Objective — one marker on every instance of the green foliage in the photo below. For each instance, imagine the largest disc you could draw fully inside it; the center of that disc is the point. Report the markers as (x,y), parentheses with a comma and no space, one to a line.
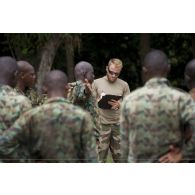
(178,47)
(99,48)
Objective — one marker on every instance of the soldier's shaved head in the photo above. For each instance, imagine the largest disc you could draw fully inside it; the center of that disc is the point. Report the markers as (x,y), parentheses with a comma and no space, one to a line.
(84,70)
(190,74)
(55,83)
(24,66)
(9,68)
(26,75)
(155,64)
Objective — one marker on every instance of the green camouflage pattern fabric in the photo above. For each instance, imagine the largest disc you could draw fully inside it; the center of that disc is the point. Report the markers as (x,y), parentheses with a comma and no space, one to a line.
(189,149)
(12,105)
(77,96)
(34,97)
(152,118)
(109,138)
(54,132)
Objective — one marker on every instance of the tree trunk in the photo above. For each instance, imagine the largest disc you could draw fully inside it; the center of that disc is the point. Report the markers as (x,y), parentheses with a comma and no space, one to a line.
(47,57)
(69,46)
(193,44)
(144,44)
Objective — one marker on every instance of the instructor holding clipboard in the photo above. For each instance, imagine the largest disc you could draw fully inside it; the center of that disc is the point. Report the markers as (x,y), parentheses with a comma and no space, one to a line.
(110,84)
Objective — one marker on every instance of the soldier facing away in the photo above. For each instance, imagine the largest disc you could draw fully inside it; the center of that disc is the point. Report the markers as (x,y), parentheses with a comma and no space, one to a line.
(56,131)
(12,105)
(175,154)
(152,116)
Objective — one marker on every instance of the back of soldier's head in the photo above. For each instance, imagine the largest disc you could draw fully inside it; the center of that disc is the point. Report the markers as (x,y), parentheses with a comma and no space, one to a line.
(9,68)
(155,64)
(55,80)
(84,70)
(190,74)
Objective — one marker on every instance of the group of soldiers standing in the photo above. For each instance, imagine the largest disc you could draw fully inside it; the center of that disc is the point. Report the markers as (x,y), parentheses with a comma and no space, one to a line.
(154,123)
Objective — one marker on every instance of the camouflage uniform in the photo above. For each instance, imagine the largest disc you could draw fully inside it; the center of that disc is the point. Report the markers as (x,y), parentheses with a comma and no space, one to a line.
(109,138)
(190,145)
(151,120)
(54,132)
(77,96)
(12,105)
(36,100)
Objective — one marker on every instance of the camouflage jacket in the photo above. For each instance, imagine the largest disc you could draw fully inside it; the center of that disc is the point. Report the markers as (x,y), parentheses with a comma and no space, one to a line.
(54,132)
(77,96)
(36,100)
(152,118)
(12,105)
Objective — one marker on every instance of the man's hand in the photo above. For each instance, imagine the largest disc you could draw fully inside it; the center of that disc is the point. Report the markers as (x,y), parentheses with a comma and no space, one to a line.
(115,104)
(173,156)
(88,87)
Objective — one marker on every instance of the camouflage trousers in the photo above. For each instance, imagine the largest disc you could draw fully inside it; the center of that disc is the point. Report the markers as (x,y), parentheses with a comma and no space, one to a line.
(109,139)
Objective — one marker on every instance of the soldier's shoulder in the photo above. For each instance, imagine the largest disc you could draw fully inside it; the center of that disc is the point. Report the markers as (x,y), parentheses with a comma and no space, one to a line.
(32,113)
(179,92)
(134,95)
(6,90)
(21,98)
(64,105)
(176,89)
(136,92)
(75,85)
(77,110)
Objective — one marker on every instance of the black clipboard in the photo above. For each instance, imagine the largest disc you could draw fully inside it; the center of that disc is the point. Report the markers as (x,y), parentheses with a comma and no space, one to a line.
(103,103)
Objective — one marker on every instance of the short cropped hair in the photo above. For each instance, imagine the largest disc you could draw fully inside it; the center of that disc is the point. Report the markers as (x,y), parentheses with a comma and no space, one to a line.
(117,62)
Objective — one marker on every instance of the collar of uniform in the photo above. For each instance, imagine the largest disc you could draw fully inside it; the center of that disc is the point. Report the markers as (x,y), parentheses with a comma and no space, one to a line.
(156,82)
(56,99)
(19,91)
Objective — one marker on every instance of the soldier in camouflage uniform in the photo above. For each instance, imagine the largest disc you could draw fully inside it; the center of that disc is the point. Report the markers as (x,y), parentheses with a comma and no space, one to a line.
(26,83)
(152,116)
(12,105)
(175,155)
(110,133)
(81,94)
(56,131)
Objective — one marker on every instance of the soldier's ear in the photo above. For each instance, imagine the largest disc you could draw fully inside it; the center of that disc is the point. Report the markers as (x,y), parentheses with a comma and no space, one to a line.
(20,75)
(67,87)
(144,69)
